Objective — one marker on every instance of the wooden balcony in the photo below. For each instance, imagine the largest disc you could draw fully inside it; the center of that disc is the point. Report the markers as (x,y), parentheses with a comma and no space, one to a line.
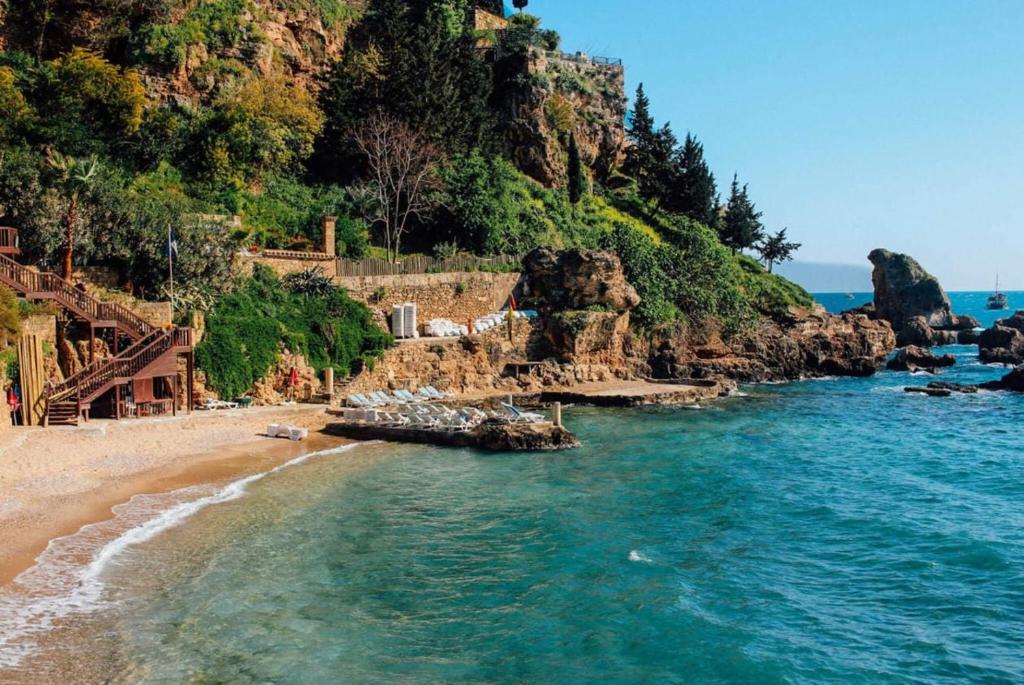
(9,241)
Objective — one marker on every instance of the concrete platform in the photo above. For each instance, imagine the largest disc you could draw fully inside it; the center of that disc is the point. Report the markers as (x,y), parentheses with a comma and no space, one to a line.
(639,393)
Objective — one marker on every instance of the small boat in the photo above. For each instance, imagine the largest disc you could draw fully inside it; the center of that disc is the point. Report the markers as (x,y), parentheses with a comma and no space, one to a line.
(997,300)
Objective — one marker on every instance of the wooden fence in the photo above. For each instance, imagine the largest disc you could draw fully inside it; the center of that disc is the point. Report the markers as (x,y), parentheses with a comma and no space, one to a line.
(422,264)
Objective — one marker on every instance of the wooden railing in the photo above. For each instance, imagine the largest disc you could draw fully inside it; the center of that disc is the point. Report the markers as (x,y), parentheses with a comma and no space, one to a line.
(52,286)
(422,264)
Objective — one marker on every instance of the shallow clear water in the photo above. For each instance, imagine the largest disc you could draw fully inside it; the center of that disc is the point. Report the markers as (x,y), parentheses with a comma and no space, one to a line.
(832,531)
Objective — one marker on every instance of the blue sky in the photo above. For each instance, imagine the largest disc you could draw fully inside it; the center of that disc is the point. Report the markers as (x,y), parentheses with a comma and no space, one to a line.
(857,124)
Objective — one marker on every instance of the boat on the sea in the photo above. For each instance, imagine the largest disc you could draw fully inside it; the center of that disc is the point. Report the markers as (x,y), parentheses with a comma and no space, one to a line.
(997,300)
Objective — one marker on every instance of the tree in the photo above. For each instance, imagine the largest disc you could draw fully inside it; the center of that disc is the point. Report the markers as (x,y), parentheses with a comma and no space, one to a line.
(415,61)
(520,4)
(73,175)
(694,194)
(650,157)
(776,249)
(403,175)
(741,227)
(577,179)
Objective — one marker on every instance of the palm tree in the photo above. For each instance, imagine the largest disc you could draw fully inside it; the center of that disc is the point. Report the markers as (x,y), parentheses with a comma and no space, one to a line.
(73,175)
(520,4)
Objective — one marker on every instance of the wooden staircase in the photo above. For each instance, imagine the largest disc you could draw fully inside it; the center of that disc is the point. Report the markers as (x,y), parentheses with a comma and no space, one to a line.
(68,401)
(152,352)
(42,286)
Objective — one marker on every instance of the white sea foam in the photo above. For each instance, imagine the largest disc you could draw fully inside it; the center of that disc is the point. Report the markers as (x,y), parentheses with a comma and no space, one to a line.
(634,555)
(59,584)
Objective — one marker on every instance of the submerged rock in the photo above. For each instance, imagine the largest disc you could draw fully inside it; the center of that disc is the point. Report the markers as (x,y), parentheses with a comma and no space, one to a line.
(914,358)
(1013,381)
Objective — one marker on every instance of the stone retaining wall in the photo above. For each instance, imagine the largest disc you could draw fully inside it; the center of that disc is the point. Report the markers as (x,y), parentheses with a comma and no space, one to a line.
(460,297)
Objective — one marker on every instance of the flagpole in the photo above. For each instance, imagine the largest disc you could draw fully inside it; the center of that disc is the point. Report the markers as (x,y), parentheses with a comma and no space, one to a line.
(170,268)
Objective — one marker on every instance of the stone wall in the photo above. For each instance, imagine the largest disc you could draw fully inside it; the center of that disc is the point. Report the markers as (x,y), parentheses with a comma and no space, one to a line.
(460,297)
(42,325)
(469,365)
(283,266)
(156,313)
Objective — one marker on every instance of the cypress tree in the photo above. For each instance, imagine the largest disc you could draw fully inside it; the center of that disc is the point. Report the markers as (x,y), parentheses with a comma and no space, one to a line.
(694,193)
(577,180)
(640,133)
(741,227)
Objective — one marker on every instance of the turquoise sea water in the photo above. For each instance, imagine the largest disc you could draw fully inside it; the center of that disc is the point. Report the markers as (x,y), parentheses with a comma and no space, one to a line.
(830,531)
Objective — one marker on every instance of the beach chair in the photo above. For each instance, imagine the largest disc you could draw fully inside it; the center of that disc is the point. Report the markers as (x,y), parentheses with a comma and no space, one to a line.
(357,401)
(405,396)
(434,392)
(365,401)
(382,399)
(519,416)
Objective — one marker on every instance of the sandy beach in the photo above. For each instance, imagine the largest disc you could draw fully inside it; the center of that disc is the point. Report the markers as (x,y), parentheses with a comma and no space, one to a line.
(55,480)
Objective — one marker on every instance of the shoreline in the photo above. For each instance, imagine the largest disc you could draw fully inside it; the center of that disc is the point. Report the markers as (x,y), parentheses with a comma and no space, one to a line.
(48,491)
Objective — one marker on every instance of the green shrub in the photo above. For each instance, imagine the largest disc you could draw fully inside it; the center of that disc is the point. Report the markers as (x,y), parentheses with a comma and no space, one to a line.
(769,293)
(246,328)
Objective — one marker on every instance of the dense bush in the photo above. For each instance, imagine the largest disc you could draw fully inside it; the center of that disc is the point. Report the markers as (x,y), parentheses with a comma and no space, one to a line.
(245,329)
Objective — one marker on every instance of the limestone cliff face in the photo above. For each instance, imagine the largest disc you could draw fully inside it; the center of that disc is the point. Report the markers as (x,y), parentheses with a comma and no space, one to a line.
(293,40)
(545,96)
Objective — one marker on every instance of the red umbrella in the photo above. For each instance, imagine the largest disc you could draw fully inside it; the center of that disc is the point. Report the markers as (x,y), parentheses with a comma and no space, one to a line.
(293,378)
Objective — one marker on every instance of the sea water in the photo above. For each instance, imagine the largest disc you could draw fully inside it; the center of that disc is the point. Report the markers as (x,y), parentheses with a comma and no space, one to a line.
(827,531)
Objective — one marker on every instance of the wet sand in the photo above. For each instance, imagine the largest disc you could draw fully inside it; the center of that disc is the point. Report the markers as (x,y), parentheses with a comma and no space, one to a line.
(53,481)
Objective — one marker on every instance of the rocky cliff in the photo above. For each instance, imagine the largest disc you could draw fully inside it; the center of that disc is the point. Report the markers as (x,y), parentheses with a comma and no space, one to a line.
(546,96)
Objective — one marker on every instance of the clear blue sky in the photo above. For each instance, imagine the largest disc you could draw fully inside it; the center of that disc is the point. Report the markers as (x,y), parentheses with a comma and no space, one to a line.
(857,124)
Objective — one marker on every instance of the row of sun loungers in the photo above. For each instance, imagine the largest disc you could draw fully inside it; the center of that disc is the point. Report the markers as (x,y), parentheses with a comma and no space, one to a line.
(439,417)
(400,397)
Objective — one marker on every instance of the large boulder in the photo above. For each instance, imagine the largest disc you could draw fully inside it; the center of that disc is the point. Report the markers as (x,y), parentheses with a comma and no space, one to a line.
(1001,345)
(917,332)
(904,290)
(914,358)
(577,279)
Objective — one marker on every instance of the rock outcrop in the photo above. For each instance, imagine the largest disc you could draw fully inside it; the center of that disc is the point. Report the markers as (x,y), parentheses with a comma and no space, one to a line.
(810,345)
(577,279)
(1003,343)
(914,358)
(913,301)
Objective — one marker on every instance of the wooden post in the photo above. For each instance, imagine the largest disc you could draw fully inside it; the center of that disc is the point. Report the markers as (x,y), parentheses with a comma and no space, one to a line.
(190,373)
(556,414)
(174,394)
(329,381)
(117,402)
(92,343)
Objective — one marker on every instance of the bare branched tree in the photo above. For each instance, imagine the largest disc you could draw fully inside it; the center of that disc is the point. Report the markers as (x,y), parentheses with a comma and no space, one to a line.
(403,175)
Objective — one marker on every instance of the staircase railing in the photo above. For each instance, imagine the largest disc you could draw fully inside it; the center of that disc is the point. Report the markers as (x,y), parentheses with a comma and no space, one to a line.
(95,378)
(28,281)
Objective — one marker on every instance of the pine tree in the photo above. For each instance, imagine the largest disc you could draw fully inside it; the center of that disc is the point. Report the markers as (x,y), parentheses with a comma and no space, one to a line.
(577,179)
(776,249)
(741,227)
(693,193)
